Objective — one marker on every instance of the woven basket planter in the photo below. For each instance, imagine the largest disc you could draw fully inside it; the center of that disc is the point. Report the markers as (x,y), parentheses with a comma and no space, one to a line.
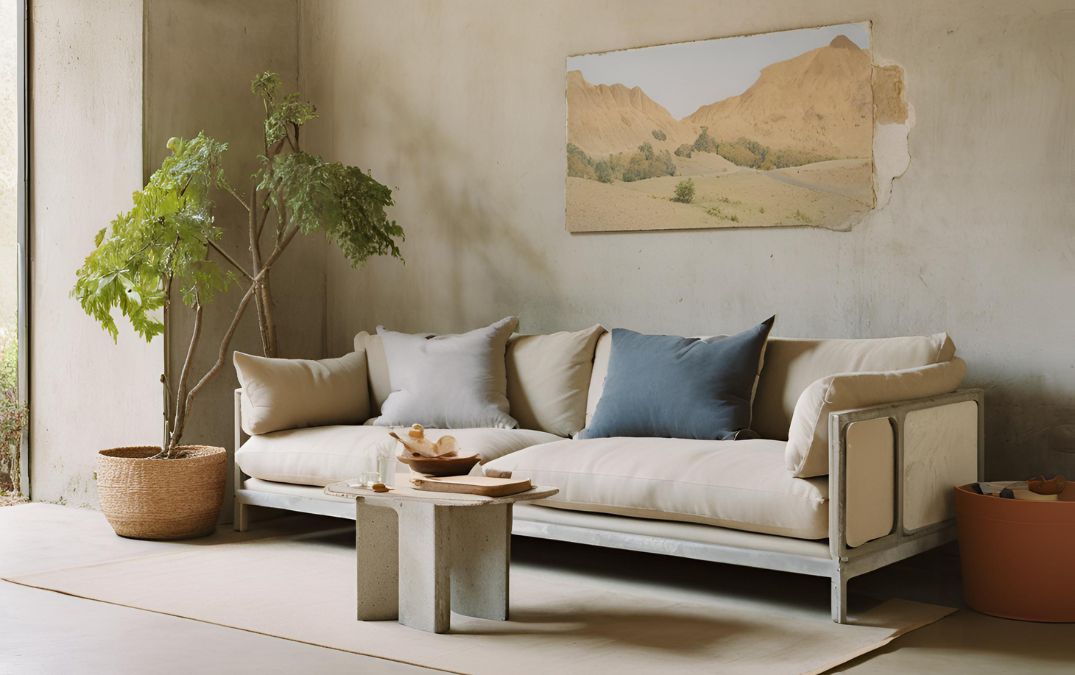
(161,498)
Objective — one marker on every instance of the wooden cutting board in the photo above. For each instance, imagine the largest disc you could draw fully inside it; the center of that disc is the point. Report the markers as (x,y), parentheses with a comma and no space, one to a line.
(473,485)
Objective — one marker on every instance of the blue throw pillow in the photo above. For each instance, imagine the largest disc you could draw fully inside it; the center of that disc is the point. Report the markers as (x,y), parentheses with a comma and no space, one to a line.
(673,387)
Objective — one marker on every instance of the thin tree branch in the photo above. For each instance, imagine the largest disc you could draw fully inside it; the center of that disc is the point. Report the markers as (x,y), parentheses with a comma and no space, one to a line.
(227,257)
(281,224)
(231,191)
(270,155)
(181,390)
(265,208)
(222,354)
(255,261)
(279,249)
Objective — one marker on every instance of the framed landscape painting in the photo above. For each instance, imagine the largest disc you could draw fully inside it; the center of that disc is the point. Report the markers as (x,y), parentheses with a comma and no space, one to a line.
(763,130)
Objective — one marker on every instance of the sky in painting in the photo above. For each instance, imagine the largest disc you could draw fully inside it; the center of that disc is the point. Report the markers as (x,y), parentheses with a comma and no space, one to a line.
(684,77)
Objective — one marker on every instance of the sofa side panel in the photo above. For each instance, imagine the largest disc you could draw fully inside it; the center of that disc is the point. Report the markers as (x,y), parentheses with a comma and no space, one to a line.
(940,451)
(871,480)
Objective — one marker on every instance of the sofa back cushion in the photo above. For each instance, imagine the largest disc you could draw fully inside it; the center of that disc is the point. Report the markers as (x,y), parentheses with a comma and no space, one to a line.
(380,386)
(793,364)
(602,351)
(548,379)
(290,393)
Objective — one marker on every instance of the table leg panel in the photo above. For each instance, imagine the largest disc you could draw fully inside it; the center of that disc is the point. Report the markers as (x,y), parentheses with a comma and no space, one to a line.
(481,552)
(377,554)
(424,558)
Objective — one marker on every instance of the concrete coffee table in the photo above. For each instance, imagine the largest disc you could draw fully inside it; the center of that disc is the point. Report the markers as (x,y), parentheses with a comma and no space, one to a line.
(450,551)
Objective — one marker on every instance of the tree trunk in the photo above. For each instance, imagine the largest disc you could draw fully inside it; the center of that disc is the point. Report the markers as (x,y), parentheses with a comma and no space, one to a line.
(266,318)
(185,403)
(181,389)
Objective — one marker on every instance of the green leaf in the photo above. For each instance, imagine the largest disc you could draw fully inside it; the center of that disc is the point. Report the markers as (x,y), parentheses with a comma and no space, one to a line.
(344,202)
(265,85)
(280,114)
(163,236)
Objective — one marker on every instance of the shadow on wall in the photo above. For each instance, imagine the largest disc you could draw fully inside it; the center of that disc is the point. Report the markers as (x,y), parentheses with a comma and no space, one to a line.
(1011,411)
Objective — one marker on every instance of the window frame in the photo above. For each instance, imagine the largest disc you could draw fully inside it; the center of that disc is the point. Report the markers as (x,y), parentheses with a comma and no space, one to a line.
(22,183)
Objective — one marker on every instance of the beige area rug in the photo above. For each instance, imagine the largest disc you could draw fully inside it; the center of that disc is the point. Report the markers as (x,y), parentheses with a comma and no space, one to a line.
(302,588)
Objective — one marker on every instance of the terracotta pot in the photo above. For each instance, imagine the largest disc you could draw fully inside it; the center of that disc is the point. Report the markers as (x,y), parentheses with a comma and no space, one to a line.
(146,498)
(1017,556)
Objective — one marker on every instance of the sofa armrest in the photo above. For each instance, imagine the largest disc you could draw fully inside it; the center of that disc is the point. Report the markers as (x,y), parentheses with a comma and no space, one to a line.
(239,437)
(893,466)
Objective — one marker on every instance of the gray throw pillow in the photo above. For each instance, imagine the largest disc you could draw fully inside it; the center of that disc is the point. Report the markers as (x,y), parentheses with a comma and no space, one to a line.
(448,381)
(674,387)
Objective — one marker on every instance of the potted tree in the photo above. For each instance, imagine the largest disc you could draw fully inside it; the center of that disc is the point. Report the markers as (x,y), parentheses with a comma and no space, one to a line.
(168,246)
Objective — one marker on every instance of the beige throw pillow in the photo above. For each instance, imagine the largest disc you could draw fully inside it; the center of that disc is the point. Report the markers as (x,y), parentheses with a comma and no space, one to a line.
(807,451)
(288,393)
(549,377)
(792,364)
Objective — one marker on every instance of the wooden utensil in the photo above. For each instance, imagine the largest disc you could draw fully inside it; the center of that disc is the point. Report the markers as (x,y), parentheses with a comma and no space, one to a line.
(473,485)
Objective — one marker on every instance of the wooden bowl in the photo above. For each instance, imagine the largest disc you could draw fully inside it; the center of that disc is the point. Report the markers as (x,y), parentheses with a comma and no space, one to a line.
(457,465)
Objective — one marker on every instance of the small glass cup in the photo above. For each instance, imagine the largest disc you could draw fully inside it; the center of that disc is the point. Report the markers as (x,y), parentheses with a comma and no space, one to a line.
(368,478)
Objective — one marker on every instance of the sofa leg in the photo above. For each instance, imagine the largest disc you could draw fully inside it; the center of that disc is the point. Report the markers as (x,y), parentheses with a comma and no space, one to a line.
(240,521)
(839,598)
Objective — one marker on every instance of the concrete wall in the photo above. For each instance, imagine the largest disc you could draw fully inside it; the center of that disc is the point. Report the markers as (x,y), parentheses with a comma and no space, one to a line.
(461,105)
(200,58)
(87,393)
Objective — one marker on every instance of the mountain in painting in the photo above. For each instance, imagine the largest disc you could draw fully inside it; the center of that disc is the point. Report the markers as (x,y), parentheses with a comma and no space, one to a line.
(609,118)
(818,102)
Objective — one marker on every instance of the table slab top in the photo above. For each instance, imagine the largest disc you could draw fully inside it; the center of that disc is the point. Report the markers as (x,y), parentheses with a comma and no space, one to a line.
(403,492)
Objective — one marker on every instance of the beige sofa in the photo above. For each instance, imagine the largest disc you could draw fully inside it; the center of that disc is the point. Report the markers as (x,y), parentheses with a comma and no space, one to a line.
(849,492)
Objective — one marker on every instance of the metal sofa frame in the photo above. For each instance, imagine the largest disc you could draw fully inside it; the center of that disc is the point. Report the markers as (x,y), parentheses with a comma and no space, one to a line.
(834,558)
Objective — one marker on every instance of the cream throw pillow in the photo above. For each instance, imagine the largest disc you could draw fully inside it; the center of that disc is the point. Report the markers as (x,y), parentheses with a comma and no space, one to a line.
(549,377)
(289,393)
(448,381)
(793,364)
(807,451)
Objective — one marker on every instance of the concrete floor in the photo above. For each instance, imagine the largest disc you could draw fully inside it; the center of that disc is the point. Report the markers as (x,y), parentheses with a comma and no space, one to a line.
(46,632)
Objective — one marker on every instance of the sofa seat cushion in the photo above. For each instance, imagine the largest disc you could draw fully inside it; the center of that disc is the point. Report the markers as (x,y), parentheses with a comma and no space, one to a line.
(323,455)
(737,484)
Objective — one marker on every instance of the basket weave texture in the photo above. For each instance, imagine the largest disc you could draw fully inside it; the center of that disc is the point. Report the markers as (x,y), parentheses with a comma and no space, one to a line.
(161,498)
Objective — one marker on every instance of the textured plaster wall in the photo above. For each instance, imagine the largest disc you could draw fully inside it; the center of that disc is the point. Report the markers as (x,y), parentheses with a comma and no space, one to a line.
(87,393)
(200,58)
(461,106)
